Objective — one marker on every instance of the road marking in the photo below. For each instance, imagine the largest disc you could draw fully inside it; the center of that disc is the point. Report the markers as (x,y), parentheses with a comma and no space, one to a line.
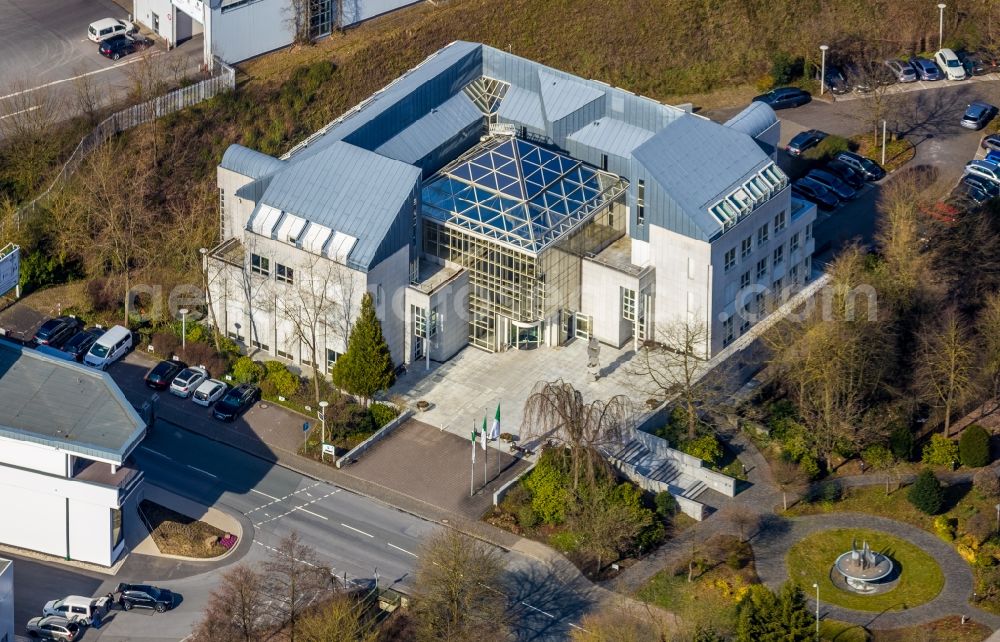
(89,73)
(356,530)
(301,507)
(254,490)
(578,627)
(402,549)
(311,513)
(203,472)
(535,608)
(158,454)
(21,112)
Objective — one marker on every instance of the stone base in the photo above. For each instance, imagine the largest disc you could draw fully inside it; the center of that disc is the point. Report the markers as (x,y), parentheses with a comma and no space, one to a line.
(874,588)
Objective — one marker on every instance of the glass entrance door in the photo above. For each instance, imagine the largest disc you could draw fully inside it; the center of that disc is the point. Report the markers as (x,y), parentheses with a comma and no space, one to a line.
(525,336)
(583,322)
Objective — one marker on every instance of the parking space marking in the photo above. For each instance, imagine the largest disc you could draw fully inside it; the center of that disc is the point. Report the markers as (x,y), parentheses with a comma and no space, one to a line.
(356,530)
(154,452)
(535,608)
(203,472)
(403,549)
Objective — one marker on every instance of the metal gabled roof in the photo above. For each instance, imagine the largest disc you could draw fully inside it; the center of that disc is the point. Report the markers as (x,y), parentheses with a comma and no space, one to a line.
(562,96)
(248,162)
(753,120)
(431,131)
(611,135)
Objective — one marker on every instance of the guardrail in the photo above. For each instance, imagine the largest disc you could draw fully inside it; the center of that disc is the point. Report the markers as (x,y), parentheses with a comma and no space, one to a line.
(380,434)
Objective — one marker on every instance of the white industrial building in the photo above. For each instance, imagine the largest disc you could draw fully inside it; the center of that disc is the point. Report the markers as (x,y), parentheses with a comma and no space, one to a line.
(235,30)
(6,600)
(66,434)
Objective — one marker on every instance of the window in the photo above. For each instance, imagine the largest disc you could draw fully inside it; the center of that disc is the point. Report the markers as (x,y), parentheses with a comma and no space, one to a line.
(745,280)
(779,255)
(331,358)
(746,324)
(746,247)
(604,162)
(260,346)
(809,231)
(640,203)
(378,295)
(260,265)
(779,221)
(116,528)
(285,355)
(727,332)
(222,213)
(284,273)
(793,242)
(762,234)
(235,336)
(761,268)
(419,316)
(730,261)
(776,287)
(628,304)
(794,273)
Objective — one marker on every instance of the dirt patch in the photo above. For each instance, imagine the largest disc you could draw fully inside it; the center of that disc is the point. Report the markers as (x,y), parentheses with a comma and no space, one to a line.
(177,534)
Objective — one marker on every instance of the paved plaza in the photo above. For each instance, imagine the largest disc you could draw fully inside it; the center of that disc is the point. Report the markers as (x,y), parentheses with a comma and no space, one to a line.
(468,387)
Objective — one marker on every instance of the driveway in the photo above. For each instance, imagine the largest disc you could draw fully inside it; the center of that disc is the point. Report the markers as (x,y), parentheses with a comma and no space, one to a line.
(35,583)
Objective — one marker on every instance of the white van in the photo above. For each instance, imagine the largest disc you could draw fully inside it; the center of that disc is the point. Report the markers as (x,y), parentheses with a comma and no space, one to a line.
(76,608)
(111,347)
(107,27)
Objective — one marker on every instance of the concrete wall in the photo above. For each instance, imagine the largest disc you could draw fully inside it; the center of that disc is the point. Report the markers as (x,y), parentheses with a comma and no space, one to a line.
(6,600)
(142,11)
(251,29)
(683,275)
(390,278)
(90,532)
(33,456)
(601,300)
(688,464)
(237,210)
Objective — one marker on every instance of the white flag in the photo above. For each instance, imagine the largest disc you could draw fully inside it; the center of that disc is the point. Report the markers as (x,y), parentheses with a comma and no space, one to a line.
(495,429)
(485,433)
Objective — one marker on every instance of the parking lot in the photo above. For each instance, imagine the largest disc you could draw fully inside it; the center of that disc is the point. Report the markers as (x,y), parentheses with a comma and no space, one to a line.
(44,48)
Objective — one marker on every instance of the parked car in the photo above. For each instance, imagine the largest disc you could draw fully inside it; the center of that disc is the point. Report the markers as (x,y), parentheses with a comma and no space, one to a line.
(902,69)
(866,166)
(187,381)
(108,28)
(74,608)
(783,97)
(991,141)
(986,169)
(160,375)
(836,83)
(118,46)
(56,332)
(977,115)
(847,174)
(988,187)
(830,181)
(865,78)
(110,347)
(950,64)
(53,627)
(144,596)
(973,63)
(926,69)
(804,140)
(80,343)
(816,192)
(973,195)
(209,392)
(993,156)
(236,401)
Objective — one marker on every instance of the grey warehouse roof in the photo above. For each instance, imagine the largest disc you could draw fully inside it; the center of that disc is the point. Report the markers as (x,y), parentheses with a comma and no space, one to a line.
(248,162)
(65,405)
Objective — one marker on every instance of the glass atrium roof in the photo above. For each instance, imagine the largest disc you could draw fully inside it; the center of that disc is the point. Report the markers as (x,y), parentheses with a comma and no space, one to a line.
(519,193)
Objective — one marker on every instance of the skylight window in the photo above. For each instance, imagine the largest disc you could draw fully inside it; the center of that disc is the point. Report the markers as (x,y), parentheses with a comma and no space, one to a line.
(486,93)
(748,196)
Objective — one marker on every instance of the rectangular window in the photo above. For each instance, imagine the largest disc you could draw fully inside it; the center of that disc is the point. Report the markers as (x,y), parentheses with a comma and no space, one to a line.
(776,288)
(604,162)
(432,324)
(745,325)
(222,213)
(640,203)
(260,346)
(419,317)
(794,273)
(235,336)
(691,270)
(809,231)
(260,265)
(793,242)
(116,528)
(284,273)
(727,332)
(745,280)
(628,304)
(746,247)
(285,355)
(730,260)
(762,234)
(779,255)
(779,221)
(331,358)
(761,268)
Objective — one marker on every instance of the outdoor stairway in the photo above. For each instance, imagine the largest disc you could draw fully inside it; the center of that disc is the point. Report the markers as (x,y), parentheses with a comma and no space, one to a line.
(659,469)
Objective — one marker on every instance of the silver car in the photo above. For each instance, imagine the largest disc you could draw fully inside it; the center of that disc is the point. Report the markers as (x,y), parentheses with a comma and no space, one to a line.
(53,627)
(209,392)
(187,381)
(903,70)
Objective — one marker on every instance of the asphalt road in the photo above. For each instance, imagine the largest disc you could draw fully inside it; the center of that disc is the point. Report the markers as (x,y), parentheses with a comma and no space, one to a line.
(38,582)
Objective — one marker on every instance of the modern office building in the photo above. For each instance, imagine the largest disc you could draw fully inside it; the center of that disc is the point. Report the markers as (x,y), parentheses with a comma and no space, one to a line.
(489,200)
(66,433)
(235,30)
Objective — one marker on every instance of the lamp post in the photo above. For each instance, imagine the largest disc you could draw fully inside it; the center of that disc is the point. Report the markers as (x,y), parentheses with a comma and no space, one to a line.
(184,313)
(822,68)
(941,7)
(816,586)
(322,420)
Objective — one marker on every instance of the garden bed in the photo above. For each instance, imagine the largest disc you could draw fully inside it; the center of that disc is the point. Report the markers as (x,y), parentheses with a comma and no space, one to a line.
(177,534)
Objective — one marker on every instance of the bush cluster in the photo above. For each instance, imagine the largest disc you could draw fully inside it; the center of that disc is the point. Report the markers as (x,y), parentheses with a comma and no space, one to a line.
(382,414)
(974,447)
(940,451)
(926,494)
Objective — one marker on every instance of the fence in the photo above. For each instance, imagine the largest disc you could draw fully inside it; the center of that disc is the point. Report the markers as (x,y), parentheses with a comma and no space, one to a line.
(224,79)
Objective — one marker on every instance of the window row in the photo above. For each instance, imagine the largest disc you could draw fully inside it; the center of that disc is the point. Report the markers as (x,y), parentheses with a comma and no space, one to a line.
(749,196)
(262,265)
(763,236)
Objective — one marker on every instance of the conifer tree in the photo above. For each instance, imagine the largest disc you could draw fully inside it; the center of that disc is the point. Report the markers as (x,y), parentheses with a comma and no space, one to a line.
(366,368)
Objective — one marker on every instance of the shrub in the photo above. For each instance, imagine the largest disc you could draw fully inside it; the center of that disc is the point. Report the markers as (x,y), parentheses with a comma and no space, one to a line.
(526,517)
(974,447)
(166,344)
(828,491)
(196,332)
(980,527)
(940,451)
(246,370)
(706,447)
(810,466)
(926,494)
(101,296)
(827,148)
(565,541)
(205,355)
(344,417)
(987,483)
(382,414)
(878,457)
(549,488)
(785,67)
(279,380)
(226,345)
(666,505)
(901,442)
(945,528)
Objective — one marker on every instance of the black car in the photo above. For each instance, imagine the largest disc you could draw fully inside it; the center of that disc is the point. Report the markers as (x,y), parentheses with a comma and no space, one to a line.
(991,142)
(117,46)
(783,97)
(804,140)
(144,596)
(80,343)
(847,174)
(981,184)
(236,401)
(835,83)
(832,182)
(868,168)
(974,62)
(160,375)
(811,190)
(55,332)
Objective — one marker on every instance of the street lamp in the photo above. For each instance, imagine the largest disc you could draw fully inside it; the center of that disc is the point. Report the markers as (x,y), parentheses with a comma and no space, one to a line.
(184,312)
(322,420)
(941,25)
(822,68)
(816,586)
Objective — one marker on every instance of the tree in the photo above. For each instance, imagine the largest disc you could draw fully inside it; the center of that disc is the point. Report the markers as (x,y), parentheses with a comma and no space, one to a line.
(869,75)
(926,494)
(706,447)
(609,520)
(789,478)
(986,482)
(456,596)
(237,609)
(366,368)
(744,518)
(27,115)
(299,18)
(339,620)
(974,446)
(763,616)
(619,623)
(940,451)
(945,362)
(295,578)
(907,268)
(880,458)
(988,330)
(901,442)
(556,410)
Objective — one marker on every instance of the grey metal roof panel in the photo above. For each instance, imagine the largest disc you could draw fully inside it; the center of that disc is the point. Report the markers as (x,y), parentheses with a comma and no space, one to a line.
(64,405)
(753,120)
(248,162)
(611,135)
(696,161)
(522,106)
(433,130)
(562,96)
(347,189)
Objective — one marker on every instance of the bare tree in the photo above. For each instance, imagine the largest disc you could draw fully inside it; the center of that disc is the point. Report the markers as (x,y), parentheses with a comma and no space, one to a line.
(789,478)
(988,329)
(295,578)
(236,609)
(255,287)
(299,18)
(606,527)
(622,622)
(339,620)
(874,82)
(556,410)
(457,590)
(27,115)
(745,519)
(146,79)
(908,274)
(87,94)
(945,364)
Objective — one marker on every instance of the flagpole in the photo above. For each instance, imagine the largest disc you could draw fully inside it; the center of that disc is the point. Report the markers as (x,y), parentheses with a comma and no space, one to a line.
(496,430)
(472,469)
(485,451)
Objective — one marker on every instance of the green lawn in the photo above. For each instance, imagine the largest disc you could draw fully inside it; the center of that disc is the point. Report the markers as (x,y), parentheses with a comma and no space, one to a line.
(811,559)
(949,629)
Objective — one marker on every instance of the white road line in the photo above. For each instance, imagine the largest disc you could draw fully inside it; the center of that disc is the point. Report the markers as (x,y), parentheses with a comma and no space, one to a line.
(535,608)
(89,73)
(578,627)
(154,452)
(203,472)
(21,112)
(356,530)
(402,549)
(312,513)
(254,490)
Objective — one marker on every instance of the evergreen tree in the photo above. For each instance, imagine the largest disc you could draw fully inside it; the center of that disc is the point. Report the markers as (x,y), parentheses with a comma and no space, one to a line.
(766,617)
(926,493)
(974,447)
(366,368)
